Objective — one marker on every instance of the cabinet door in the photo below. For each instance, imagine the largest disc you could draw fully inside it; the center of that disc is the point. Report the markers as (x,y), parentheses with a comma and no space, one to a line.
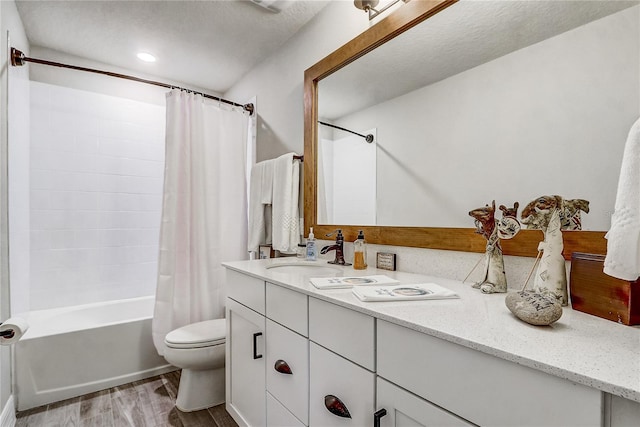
(337,383)
(245,366)
(279,416)
(287,368)
(399,408)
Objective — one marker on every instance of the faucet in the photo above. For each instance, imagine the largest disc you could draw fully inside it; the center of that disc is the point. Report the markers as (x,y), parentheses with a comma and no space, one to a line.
(338,247)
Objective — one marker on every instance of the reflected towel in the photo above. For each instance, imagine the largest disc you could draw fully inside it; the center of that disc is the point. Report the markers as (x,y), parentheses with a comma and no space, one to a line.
(623,238)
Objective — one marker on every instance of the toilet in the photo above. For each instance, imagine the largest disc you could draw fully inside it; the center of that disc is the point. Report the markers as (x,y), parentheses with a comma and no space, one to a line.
(198,349)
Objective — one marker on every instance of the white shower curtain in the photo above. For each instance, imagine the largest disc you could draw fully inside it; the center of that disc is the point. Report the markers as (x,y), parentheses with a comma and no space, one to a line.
(204,210)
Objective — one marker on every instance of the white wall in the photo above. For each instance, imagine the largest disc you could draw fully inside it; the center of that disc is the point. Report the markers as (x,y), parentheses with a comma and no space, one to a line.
(97,165)
(551,118)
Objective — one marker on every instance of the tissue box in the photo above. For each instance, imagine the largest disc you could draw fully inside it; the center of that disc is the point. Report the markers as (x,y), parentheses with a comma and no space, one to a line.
(596,293)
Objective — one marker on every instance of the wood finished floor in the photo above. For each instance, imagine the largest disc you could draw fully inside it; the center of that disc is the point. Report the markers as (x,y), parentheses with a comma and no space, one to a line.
(145,403)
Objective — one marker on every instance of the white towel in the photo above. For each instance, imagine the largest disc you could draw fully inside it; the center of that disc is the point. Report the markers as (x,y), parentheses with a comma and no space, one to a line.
(404,292)
(260,196)
(623,239)
(349,282)
(285,210)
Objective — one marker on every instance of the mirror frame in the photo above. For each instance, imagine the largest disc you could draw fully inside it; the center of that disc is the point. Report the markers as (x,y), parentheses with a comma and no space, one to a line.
(459,239)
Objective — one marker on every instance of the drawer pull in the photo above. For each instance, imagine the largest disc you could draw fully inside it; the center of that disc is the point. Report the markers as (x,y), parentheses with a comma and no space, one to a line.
(336,407)
(377,415)
(255,345)
(282,367)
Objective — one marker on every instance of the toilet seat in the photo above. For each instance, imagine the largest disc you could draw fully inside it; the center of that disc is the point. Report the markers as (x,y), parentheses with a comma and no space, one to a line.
(196,335)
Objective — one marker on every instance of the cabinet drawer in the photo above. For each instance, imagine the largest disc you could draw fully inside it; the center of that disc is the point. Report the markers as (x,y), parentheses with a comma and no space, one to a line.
(344,331)
(246,290)
(287,307)
(278,416)
(332,375)
(481,388)
(403,408)
(292,390)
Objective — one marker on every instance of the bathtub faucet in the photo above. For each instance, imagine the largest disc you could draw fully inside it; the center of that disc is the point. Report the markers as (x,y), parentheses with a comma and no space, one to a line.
(338,247)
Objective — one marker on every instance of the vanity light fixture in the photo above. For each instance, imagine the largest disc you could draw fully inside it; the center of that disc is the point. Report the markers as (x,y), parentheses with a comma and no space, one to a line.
(146,57)
(369,6)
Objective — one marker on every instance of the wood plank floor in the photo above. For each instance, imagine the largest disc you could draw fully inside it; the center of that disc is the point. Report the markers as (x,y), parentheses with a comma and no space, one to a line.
(144,403)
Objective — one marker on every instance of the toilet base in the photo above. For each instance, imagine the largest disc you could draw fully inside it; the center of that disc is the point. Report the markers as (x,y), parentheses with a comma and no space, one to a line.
(200,389)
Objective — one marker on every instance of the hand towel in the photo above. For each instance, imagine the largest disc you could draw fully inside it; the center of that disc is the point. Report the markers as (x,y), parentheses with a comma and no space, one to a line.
(403,292)
(260,196)
(348,282)
(623,238)
(285,210)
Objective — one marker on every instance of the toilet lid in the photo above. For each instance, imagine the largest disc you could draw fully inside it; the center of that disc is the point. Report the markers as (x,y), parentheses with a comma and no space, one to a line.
(201,334)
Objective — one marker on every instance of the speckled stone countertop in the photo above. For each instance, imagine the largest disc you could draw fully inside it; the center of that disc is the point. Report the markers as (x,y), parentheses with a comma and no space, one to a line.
(579,347)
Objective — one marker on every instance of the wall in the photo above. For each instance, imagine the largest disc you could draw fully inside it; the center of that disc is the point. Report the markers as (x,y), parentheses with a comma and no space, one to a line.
(537,121)
(278,82)
(13,96)
(97,164)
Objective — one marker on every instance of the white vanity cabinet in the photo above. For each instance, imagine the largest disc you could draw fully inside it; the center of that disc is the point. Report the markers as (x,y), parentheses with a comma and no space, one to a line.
(341,392)
(245,367)
(480,388)
(296,360)
(342,365)
(400,408)
(267,353)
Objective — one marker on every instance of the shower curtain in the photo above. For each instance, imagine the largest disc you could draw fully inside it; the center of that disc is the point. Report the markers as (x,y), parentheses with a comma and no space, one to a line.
(204,210)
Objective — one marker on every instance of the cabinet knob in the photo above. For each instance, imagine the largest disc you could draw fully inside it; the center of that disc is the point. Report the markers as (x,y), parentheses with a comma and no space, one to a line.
(336,406)
(377,415)
(282,367)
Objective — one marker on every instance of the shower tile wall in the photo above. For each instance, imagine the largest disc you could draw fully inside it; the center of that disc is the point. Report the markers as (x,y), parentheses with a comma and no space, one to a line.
(96,172)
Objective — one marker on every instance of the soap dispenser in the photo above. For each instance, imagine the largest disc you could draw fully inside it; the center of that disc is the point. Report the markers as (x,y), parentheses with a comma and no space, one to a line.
(312,251)
(360,252)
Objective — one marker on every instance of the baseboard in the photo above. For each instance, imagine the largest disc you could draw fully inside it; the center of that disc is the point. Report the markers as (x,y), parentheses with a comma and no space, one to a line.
(8,416)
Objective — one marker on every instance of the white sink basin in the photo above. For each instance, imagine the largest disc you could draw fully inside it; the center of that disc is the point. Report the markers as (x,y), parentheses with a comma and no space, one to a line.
(308,268)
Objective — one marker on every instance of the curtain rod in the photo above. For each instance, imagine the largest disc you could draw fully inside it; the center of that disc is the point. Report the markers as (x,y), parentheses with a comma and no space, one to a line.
(368,138)
(18,59)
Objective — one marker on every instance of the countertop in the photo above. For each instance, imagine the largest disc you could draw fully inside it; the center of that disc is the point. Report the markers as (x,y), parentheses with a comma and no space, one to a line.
(578,347)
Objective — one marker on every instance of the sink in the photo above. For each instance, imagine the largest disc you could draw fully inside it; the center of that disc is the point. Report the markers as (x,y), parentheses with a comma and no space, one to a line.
(308,268)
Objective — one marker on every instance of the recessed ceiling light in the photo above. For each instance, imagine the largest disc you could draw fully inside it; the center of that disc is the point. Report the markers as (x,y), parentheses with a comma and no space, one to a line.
(146,57)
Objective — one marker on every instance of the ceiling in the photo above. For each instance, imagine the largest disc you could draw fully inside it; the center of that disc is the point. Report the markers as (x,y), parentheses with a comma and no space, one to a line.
(207,44)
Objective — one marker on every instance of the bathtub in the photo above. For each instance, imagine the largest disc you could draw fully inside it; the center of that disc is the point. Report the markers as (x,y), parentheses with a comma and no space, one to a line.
(77,350)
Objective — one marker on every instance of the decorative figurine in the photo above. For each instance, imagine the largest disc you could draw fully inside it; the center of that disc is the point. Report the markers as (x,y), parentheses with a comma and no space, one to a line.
(493,230)
(552,214)
(532,307)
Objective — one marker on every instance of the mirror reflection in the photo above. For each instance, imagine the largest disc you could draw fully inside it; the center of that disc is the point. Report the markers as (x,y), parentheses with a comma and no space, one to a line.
(503,100)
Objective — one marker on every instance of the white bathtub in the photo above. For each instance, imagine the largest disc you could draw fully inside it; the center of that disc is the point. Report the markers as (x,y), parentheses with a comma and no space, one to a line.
(77,350)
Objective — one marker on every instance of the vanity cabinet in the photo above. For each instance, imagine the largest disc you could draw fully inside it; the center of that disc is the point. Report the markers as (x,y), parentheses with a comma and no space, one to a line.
(481,388)
(245,366)
(288,369)
(341,392)
(399,408)
(297,360)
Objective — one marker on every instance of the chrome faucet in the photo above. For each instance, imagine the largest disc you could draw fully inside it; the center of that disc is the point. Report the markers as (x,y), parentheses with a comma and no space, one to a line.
(338,247)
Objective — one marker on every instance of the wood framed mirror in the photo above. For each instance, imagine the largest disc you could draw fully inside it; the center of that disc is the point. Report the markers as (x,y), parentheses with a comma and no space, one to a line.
(406,17)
